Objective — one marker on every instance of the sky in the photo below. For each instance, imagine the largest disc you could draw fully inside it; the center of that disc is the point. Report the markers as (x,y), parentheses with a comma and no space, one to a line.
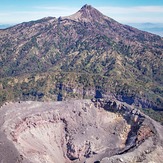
(123,11)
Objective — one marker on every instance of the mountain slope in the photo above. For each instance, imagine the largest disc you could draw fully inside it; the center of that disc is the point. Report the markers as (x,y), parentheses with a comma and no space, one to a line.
(100,53)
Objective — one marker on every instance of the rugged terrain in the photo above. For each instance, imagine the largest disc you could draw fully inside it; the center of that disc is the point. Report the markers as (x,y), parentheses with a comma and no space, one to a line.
(75,56)
(82,56)
(78,131)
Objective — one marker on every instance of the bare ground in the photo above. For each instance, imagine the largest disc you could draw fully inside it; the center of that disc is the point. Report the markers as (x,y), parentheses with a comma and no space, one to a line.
(77,132)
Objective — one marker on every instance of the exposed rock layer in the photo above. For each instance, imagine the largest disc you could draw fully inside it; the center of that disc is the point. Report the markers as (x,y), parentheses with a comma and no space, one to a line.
(78,131)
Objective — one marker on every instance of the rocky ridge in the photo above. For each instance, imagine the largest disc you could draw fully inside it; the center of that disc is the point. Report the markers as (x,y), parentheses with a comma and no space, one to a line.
(87,14)
(78,131)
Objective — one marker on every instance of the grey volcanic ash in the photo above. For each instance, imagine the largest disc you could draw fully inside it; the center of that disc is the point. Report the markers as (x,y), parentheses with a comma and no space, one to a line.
(78,131)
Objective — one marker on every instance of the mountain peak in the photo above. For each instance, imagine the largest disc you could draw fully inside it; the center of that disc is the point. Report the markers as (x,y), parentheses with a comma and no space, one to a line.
(86,6)
(87,13)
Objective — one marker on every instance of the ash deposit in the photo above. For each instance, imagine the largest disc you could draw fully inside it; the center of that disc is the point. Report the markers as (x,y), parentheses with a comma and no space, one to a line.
(79,131)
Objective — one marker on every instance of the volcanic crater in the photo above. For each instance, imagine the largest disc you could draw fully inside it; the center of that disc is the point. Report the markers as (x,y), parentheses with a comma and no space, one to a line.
(75,131)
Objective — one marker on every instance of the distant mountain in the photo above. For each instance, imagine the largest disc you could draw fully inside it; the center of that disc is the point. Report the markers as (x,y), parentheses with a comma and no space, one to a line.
(83,55)
(156,28)
(3,26)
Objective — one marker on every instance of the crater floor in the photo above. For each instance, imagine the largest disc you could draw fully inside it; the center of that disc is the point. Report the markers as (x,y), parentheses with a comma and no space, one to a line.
(81,131)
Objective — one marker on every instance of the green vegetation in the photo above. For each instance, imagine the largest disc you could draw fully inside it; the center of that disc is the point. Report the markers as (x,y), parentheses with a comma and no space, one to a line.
(156,115)
(58,59)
